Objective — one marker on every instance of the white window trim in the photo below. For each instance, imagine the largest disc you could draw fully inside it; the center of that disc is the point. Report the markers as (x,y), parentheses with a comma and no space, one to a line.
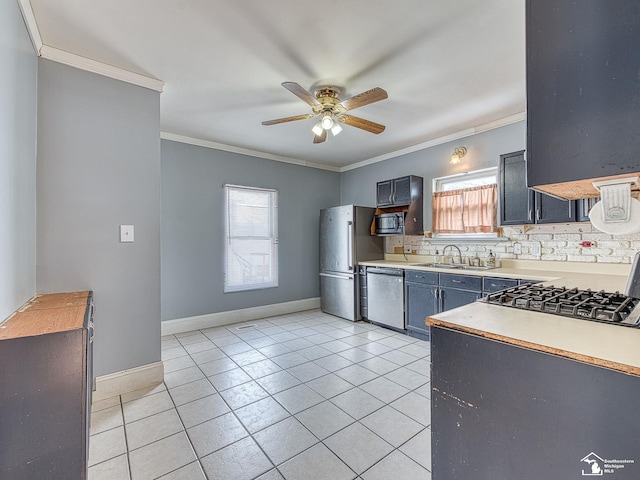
(485,172)
(273,237)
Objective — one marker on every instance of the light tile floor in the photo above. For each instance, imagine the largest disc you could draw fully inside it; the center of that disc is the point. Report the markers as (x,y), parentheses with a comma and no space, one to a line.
(305,396)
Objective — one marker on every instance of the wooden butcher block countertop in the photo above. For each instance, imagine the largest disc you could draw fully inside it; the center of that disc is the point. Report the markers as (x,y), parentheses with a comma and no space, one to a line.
(48,313)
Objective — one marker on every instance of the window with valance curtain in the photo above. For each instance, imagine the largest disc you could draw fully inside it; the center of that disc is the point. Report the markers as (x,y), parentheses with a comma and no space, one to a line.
(467,210)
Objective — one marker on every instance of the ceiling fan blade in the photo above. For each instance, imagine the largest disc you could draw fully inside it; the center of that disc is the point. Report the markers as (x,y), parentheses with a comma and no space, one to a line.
(358,122)
(302,93)
(362,99)
(320,138)
(289,119)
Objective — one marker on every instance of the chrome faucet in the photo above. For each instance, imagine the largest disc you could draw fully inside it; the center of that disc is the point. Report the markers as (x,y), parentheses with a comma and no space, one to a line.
(459,253)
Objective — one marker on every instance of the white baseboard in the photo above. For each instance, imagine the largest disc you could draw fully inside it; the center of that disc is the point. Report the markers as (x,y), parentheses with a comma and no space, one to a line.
(126,381)
(187,324)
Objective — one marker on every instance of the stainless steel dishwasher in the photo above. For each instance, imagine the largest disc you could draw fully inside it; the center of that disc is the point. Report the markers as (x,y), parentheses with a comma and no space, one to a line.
(385,288)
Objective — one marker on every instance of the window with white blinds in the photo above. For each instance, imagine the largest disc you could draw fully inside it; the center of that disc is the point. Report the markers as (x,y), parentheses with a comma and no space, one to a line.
(251,243)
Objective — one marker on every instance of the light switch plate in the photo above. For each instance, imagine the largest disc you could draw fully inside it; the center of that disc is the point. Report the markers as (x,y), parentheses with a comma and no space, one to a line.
(126,233)
(517,248)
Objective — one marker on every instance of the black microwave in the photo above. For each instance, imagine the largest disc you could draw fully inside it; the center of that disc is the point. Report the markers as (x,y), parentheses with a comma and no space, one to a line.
(390,223)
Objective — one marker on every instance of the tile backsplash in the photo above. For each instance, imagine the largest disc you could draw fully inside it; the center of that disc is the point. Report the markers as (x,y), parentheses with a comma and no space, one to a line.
(564,242)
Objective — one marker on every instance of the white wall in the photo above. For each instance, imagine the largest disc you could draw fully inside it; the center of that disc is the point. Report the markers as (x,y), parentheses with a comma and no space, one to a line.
(17,161)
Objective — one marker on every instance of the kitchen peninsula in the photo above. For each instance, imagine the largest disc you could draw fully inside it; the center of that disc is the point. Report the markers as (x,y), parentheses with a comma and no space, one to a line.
(527,395)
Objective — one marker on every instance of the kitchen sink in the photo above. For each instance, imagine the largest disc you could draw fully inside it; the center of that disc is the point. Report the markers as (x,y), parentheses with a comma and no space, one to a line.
(452,266)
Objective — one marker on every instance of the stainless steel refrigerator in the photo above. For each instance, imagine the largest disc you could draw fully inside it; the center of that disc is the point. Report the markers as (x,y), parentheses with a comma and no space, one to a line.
(345,240)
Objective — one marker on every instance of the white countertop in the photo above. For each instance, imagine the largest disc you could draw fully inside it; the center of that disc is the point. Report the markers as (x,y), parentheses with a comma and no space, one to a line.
(609,346)
(596,276)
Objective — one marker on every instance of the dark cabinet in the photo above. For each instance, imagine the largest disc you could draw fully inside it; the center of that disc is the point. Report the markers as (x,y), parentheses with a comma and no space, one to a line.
(384,193)
(520,205)
(400,191)
(584,207)
(583,102)
(458,290)
(516,201)
(553,210)
(513,405)
(495,284)
(421,301)
(45,396)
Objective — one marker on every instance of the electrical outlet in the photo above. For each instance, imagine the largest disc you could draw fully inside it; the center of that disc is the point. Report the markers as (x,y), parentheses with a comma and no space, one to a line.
(535,250)
(407,249)
(517,249)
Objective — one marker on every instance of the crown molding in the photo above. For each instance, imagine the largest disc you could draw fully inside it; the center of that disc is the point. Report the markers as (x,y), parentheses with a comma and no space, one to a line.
(502,122)
(243,151)
(518,117)
(32,25)
(83,63)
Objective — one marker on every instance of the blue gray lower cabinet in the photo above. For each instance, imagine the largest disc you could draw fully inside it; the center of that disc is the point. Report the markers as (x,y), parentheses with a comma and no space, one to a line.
(503,412)
(458,291)
(421,297)
(427,293)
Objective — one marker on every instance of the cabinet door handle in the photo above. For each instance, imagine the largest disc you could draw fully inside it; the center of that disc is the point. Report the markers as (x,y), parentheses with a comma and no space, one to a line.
(457,281)
(537,214)
(530,214)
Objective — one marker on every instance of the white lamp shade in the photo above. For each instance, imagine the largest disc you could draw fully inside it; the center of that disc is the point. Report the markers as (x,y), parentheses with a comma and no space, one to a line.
(327,122)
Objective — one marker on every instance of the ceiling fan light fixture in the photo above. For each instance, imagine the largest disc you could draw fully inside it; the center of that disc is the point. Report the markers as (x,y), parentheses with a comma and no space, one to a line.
(317,128)
(336,129)
(327,122)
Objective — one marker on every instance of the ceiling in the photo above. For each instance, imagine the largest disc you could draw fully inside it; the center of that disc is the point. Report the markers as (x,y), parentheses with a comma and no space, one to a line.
(449,67)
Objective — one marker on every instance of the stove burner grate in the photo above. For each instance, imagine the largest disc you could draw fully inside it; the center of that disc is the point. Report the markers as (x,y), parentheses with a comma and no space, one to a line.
(613,308)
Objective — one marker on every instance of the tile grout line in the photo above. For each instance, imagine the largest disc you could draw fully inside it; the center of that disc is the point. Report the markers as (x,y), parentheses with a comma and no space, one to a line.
(379,337)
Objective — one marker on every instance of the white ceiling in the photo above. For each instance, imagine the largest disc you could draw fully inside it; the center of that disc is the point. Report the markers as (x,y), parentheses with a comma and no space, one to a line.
(448,66)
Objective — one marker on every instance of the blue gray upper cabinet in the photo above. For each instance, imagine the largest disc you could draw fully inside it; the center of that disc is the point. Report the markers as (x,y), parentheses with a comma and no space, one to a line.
(399,191)
(583,93)
(520,205)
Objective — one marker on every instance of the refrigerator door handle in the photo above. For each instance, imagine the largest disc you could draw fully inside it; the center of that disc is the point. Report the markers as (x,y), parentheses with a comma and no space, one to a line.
(350,246)
(336,275)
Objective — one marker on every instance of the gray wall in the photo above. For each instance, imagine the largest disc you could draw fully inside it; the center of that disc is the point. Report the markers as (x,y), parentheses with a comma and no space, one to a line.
(18,95)
(358,186)
(193,227)
(98,167)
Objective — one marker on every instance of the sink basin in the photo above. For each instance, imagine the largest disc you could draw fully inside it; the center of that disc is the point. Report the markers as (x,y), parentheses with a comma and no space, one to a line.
(454,266)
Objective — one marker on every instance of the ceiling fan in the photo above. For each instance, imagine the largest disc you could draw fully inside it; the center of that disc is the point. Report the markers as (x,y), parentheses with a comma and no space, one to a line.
(326,104)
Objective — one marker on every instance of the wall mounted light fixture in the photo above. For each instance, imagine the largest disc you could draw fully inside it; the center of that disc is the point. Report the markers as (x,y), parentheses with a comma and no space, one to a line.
(458,153)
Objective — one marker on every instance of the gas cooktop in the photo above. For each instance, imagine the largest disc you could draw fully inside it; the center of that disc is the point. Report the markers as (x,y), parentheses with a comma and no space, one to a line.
(612,308)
